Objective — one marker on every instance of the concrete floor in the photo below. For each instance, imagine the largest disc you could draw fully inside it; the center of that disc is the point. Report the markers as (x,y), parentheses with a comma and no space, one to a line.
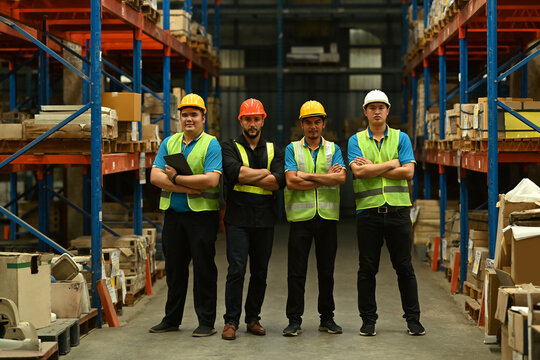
(450,334)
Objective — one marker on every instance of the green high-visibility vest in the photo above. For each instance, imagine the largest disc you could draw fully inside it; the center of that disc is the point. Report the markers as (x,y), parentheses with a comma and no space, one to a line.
(377,191)
(303,205)
(208,200)
(245,161)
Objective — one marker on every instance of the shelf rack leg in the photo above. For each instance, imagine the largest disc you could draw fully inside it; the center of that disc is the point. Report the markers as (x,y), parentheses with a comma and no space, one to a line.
(42,69)
(43,210)
(13,207)
(405,111)
(442,117)
(166,73)
(205,97)
(86,200)
(12,86)
(86,71)
(137,87)
(427,179)
(96,172)
(464,226)
(442,182)
(524,75)
(493,168)
(414,84)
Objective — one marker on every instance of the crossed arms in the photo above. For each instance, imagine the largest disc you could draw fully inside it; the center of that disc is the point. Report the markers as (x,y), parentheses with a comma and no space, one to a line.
(363,168)
(299,180)
(189,184)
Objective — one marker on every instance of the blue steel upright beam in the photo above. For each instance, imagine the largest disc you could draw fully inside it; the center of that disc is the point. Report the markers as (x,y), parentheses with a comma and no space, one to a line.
(404,28)
(204,6)
(189,62)
(43,209)
(463,183)
(217,42)
(12,86)
(13,206)
(166,73)
(137,88)
(493,168)
(95,166)
(43,73)
(427,179)
(280,71)
(442,118)
(427,4)
(524,76)
(86,201)
(205,97)
(414,120)
(405,111)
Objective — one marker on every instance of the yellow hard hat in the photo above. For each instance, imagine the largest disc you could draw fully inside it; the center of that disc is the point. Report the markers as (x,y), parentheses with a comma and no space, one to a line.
(192,100)
(312,108)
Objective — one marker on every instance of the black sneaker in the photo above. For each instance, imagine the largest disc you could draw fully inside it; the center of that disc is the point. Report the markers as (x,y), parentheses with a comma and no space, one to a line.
(293,329)
(203,331)
(163,327)
(368,329)
(415,328)
(330,326)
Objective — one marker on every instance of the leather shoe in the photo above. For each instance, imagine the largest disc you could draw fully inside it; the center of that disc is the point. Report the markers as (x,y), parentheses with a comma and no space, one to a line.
(229,332)
(256,328)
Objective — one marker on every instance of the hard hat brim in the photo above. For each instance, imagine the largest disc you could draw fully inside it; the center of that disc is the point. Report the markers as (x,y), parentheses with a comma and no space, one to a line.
(193,106)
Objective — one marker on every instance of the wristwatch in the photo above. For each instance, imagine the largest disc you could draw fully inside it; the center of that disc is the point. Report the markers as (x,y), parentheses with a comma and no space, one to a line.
(174,179)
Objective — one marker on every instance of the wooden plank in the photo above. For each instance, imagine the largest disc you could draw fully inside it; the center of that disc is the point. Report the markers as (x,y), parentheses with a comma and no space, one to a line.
(49,146)
(49,350)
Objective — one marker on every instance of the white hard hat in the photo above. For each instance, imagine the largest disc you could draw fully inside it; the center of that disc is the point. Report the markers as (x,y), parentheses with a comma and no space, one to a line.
(376,96)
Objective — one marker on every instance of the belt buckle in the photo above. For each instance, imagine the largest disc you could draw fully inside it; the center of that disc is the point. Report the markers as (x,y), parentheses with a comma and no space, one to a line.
(382,210)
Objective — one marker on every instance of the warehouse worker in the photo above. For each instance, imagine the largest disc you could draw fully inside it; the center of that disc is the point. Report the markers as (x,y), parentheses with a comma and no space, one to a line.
(253,171)
(382,160)
(314,169)
(191,204)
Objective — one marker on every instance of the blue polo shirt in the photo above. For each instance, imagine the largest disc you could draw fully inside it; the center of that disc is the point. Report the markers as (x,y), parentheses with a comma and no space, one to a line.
(290,162)
(212,162)
(405,150)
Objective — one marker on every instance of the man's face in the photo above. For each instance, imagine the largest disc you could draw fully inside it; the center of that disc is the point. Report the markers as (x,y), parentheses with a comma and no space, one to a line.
(313,127)
(376,113)
(192,119)
(252,125)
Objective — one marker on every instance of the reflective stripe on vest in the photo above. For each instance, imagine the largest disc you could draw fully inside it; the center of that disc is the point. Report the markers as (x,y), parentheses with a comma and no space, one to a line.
(245,161)
(377,191)
(303,205)
(208,200)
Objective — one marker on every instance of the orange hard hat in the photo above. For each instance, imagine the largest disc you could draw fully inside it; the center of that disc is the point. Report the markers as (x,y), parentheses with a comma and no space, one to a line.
(251,107)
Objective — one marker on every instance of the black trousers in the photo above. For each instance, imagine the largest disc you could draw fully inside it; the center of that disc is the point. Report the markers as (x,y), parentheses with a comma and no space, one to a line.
(372,230)
(301,235)
(187,236)
(241,243)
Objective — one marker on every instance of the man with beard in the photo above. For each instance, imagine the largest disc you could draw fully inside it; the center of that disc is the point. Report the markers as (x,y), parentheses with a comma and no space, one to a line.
(314,169)
(382,160)
(191,205)
(253,171)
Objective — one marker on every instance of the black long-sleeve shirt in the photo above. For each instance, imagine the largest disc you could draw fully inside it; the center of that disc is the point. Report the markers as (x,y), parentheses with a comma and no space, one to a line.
(247,209)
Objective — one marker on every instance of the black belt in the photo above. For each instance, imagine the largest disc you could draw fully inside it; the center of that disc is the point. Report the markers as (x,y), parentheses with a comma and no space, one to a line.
(385,209)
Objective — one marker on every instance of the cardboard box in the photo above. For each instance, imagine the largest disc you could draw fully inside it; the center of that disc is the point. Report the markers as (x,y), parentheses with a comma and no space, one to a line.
(491,285)
(11,131)
(126,104)
(517,129)
(512,296)
(479,262)
(150,132)
(518,328)
(66,298)
(111,262)
(506,350)
(26,278)
(525,266)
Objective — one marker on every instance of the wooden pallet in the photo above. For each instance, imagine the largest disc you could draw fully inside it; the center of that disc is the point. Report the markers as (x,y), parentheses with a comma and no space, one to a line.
(49,351)
(134,298)
(472,307)
(64,331)
(150,13)
(471,290)
(88,322)
(444,144)
(129,146)
(135,4)
(181,37)
(54,146)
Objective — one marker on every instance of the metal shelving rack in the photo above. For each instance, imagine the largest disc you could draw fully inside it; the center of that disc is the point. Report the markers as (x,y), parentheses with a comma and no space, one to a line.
(498,20)
(98,26)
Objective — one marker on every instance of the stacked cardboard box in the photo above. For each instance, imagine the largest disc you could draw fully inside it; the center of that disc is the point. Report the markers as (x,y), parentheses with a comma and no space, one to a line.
(212,116)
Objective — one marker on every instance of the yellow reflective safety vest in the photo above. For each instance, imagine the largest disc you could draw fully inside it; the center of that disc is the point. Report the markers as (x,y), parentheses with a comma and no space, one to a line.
(245,161)
(377,191)
(303,205)
(208,200)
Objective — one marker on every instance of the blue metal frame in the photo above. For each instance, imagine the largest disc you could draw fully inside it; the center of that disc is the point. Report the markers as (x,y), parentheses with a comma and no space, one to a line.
(493,165)
(518,65)
(427,179)
(462,173)
(96,143)
(13,205)
(517,115)
(414,107)
(86,71)
(205,97)
(137,88)
(166,73)
(442,119)
(12,86)
(280,123)
(189,64)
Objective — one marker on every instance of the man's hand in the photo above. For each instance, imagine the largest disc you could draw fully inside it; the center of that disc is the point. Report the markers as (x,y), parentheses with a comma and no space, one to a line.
(362,161)
(336,168)
(170,171)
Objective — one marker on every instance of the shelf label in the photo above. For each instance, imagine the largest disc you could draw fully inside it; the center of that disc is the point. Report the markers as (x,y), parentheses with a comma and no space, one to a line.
(477,259)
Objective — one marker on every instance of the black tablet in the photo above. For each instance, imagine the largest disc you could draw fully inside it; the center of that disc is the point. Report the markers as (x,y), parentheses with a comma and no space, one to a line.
(179,162)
